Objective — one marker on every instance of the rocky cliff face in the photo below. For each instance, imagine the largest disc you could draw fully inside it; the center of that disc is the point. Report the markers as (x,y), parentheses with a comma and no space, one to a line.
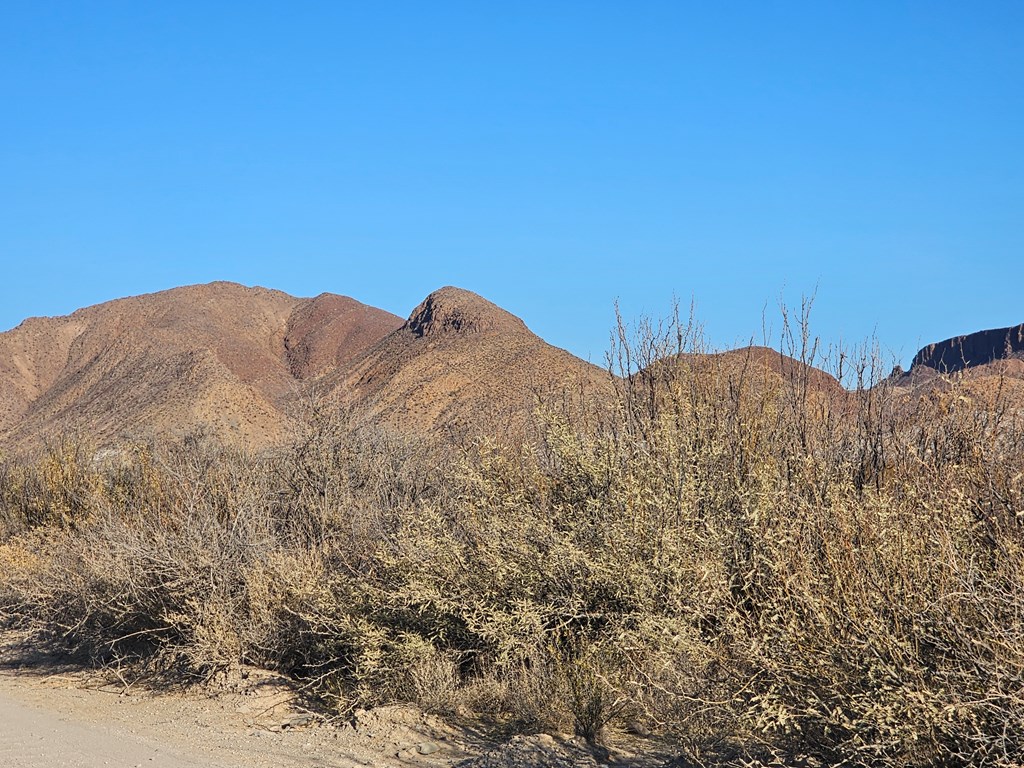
(972,350)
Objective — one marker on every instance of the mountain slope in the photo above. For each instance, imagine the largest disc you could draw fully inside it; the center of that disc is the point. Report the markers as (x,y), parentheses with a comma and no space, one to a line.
(462,364)
(221,356)
(234,360)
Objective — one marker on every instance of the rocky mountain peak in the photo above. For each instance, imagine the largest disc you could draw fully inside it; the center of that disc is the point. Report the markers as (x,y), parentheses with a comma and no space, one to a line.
(456,311)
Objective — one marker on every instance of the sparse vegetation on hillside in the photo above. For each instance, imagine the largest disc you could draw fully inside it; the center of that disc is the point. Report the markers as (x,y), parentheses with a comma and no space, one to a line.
(764,569)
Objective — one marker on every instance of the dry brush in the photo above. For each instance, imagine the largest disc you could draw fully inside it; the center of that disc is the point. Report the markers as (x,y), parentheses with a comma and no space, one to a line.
(762,568)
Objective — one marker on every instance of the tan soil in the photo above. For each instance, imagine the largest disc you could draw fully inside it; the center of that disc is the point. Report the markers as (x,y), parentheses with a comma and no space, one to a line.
(69,719)
(60,717)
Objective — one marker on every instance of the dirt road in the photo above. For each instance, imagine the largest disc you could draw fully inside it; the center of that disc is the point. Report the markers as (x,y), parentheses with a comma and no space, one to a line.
(35,738)
(68,718)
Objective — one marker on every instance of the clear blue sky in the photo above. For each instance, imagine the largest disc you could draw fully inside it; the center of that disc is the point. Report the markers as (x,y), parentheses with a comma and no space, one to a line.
(552,156)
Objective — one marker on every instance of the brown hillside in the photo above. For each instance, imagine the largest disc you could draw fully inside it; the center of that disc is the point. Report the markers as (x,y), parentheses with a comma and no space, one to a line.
(757,360)
(755,365)
(220,355)
(234,360)
(331,331)
(463,364)
(757,372)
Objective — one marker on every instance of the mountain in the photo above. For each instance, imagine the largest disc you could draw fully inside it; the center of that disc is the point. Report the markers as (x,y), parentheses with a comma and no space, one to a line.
(987,364)
(236,361)
(222,356)
(752,372)
(973,350)
(994,353)
(781,368)
(463,364)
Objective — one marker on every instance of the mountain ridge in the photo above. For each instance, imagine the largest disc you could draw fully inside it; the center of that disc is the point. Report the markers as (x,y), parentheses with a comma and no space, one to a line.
(238,360)
(162,363)
(972,350)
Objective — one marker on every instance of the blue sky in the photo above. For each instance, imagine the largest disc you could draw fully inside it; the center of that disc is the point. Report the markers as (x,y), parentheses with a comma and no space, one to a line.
(552,156)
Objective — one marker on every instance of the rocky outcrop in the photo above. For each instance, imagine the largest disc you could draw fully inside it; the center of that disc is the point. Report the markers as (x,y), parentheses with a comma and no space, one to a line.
(454,310)
(972,350)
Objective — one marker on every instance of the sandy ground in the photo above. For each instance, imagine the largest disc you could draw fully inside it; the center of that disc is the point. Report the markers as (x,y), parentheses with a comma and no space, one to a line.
(33,737)
(68,720)
(54,717)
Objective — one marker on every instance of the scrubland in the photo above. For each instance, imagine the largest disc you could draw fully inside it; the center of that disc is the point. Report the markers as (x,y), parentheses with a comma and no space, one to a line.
(758,568)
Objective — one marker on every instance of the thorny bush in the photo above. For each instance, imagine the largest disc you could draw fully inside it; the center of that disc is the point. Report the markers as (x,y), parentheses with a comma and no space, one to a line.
(748,558)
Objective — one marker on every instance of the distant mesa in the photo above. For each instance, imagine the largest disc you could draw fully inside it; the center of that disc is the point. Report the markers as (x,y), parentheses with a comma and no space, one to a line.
(972,350)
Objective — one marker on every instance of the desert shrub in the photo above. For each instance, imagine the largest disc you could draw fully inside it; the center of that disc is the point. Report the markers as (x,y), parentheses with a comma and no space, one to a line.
(870,550)
(192,557)
(57,490)
(762,565)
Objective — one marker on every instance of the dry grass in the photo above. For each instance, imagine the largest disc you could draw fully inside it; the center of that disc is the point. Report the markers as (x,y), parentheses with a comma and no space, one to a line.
(763,568)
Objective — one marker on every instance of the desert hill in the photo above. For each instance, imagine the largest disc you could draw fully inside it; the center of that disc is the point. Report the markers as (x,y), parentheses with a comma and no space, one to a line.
(762,367)
(770,363)
(461,363)
(236,360)
(219,355)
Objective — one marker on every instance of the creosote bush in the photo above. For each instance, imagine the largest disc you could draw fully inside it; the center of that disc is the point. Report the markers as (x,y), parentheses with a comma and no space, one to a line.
(762,566)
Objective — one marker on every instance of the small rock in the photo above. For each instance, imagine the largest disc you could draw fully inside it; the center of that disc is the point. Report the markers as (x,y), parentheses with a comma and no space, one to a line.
(638,729)
(427,748)
(297,721)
